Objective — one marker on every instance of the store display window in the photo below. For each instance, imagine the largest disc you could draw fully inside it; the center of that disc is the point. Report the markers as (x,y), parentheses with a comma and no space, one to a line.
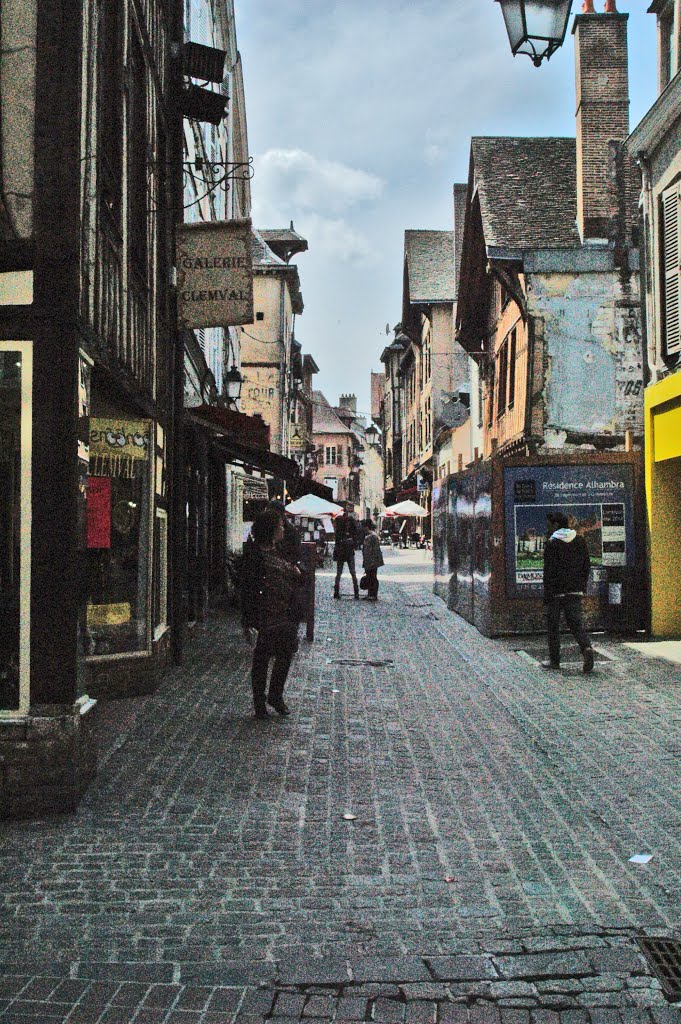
(15,523)
(118,537)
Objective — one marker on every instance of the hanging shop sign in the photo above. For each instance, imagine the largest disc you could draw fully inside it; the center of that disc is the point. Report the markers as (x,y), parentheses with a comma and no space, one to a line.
(117,445)
(214,274)
(598,501)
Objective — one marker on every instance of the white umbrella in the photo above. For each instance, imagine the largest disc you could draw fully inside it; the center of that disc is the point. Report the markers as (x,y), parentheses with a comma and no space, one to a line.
(406,508)
(314,507)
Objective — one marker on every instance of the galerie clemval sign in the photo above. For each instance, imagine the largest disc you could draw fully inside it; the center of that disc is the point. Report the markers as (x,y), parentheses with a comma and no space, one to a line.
(214,274)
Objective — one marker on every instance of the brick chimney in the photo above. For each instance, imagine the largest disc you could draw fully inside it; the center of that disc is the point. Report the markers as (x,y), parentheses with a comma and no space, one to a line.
(601,67)
(349,403)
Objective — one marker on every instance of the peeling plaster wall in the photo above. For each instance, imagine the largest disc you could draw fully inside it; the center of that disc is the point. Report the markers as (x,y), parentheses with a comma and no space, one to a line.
(17,112)
(593,354)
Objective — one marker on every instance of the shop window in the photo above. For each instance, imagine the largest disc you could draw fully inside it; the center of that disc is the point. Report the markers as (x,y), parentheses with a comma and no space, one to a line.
(512,367)
(110,123)
(160,583)
(503,372)
(15,523)
(118,537)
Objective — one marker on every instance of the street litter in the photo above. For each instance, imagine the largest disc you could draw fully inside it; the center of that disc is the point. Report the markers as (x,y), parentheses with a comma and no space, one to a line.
(350,817)
(448,878)
(640,858)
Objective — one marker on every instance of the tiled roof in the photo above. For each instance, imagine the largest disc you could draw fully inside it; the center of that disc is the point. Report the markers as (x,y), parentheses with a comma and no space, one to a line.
(430,261)
(262,254)
(324,419)
(528,192)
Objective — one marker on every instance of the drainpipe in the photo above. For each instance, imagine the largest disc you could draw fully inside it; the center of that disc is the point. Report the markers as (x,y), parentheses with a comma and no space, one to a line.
(647,337)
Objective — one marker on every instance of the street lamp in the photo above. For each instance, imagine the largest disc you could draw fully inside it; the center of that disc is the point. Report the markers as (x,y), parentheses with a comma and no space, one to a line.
(536,27)
(233,380)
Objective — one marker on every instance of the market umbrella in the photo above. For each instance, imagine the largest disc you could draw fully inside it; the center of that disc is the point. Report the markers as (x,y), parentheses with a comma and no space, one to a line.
(406,508)
(314,507)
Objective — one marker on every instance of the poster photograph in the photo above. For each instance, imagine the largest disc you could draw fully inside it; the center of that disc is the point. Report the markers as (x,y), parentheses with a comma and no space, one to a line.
(597,503)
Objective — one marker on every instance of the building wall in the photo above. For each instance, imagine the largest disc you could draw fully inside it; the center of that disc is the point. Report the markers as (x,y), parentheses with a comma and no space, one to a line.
(265,355)
(663,494)
(17,116)
(371,482)
(340,473)
(505,392)
(593,355)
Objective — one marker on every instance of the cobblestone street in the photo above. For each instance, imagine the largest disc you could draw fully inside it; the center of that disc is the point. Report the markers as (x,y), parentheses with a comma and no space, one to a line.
(211,874)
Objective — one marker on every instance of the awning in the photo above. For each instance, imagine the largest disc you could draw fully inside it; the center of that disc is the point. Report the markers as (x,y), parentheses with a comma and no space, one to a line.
(305,485)
(245,454)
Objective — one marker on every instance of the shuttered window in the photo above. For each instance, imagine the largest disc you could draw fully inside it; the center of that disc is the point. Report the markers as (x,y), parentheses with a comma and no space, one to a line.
(671,228)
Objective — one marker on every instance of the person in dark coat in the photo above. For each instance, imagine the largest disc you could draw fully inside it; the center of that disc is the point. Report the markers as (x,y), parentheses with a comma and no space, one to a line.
(345,529)
(372,560)
(289,545)
(268,599)
(566,571)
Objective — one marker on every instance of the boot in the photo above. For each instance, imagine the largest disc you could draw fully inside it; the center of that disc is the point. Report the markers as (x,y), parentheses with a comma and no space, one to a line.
(356,588)
(336,592)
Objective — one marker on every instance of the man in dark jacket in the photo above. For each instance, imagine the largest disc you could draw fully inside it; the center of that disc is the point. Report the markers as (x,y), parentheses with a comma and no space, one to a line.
(566,571)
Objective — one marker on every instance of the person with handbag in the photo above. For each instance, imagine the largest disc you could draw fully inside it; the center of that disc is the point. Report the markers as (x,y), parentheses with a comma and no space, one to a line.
(372,560)
(268,599)
(345,529)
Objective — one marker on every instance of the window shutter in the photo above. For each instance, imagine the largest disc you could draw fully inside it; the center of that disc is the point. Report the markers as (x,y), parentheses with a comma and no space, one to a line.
(670,255)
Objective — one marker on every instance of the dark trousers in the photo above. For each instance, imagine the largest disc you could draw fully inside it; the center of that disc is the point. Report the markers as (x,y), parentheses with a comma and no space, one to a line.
(572,607)
(350,559)
(280,649)
(372,581)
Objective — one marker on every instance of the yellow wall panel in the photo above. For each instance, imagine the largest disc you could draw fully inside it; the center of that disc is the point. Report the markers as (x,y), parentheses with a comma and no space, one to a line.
(667,433)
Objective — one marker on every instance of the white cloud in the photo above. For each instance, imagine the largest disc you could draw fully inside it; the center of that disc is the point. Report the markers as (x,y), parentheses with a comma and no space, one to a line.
(294,180)
(336,240)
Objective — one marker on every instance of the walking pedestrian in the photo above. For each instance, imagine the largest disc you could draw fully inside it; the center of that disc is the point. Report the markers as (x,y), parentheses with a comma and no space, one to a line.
(289,545)
(566,571)
(372,560)
(269,589)
(345,529)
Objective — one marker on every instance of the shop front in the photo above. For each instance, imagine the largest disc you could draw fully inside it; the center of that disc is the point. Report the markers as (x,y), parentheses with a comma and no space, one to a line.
(124,628)
(663,493)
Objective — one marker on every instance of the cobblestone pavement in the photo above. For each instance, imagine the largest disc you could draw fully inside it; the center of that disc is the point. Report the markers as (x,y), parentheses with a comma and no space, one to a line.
(211,876)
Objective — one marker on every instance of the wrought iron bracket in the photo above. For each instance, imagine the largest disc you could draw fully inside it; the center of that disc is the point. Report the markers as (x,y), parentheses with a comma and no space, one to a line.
(210,174)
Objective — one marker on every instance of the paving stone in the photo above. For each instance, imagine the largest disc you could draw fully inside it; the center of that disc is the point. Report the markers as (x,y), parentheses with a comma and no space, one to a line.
(547,965)
(421,1011)
(289,1004)
(351,1008)
(388,1011)
(618,961)
(397,969)
(462,968)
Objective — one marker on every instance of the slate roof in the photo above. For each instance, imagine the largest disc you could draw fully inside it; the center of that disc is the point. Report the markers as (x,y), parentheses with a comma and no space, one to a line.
(430,260)
(262,254)
(324,419)
(528,192)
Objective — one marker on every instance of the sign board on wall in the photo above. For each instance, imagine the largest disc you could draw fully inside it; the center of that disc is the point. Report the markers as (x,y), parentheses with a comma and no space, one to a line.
(598,501)
(214,274)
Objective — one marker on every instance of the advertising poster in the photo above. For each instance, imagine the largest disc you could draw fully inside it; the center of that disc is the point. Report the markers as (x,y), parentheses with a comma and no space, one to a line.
(598,501)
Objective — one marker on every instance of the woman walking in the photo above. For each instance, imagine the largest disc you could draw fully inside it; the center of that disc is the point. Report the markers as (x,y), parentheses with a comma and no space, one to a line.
(268,597)
(373,560)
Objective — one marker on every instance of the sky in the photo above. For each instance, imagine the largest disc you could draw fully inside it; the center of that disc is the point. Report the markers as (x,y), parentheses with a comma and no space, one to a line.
(360,115)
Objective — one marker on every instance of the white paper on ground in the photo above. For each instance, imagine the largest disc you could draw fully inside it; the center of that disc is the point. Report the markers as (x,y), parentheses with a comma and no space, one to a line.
(641,858)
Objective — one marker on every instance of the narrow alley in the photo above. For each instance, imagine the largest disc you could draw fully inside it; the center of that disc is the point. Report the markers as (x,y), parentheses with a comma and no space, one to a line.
(440,831)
